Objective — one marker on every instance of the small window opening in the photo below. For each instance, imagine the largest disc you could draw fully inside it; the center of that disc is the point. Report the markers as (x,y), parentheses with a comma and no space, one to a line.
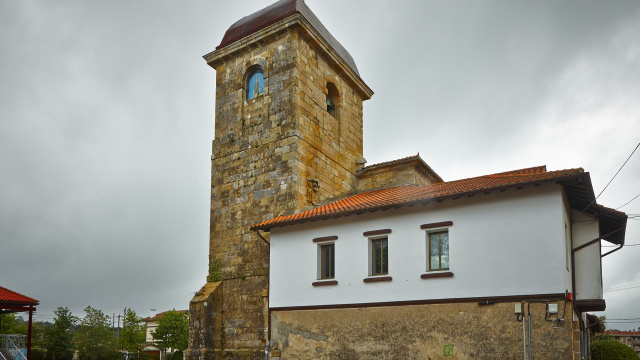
(332,99)
(255,83)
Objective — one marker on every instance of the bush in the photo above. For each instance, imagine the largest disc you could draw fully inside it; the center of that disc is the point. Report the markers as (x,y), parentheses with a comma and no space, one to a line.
(38,354)
(611,350)
(177,355)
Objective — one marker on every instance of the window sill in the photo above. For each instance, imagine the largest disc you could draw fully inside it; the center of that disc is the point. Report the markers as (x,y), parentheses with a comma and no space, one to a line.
(377,279)
(433,275)
(325,283)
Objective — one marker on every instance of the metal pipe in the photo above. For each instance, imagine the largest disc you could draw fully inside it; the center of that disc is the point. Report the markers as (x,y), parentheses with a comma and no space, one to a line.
(266,351)
(261,237)
(612,251)
(530,352)
(524,335)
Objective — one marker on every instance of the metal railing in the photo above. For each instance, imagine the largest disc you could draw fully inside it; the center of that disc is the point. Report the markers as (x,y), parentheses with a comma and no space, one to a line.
(13,344)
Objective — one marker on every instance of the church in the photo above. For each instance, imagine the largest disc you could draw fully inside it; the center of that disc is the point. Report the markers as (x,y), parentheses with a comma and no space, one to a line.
(315,255)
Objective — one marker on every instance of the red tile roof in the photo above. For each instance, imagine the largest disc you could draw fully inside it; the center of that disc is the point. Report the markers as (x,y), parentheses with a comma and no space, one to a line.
(161,315)
(622,333)
(412,195)
(9,297)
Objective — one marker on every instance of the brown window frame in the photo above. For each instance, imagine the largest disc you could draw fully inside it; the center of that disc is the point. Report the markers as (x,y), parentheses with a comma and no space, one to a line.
(332,264)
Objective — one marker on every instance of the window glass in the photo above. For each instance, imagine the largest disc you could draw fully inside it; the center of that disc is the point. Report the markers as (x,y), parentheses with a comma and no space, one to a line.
(444,247)
(380,259)
(255,85)
(327,262)
(439,251)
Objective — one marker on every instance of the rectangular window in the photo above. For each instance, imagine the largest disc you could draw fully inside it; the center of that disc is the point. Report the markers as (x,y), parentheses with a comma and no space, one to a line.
(439,250)
(379,257)
(327,261)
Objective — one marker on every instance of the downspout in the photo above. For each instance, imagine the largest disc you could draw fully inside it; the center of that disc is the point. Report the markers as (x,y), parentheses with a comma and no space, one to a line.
(524,335)
(263,239)
(573,284)
(612,251)
(583,329)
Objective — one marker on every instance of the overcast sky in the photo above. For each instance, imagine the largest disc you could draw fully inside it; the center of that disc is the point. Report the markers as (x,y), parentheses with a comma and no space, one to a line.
(107,117)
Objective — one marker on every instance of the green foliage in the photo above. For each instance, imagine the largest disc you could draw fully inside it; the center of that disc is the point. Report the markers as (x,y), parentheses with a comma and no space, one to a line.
(178,355)
(38,334)
(38,354)
(611,350)
(13,324)
(133,333)
(604,336)
(58,338)
(215,270)
(172,331)
(94,338)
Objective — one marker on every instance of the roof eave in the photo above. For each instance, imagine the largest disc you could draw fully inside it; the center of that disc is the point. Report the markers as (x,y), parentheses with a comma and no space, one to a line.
(424,201)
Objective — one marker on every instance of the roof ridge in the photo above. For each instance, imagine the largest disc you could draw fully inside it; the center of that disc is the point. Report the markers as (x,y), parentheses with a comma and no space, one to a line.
(412,157)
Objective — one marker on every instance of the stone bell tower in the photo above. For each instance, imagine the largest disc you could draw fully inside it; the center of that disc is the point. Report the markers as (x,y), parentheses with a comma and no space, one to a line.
(288,135)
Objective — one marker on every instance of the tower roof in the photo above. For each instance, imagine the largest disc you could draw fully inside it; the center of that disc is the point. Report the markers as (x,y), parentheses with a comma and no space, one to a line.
(276,12)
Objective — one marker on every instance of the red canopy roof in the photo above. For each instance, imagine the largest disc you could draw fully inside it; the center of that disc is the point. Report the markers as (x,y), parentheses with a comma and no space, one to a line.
(10,297)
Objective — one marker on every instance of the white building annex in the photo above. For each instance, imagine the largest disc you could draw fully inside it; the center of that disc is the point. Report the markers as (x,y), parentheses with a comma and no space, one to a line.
(492,239)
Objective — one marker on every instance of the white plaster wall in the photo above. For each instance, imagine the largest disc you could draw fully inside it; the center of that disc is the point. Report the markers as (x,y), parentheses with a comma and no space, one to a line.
(588,264)
(501,244)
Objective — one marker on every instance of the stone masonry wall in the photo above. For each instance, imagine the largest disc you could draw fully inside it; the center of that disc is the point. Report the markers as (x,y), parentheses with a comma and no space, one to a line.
(330,144)
(426,332)
(389,176)
(251,179)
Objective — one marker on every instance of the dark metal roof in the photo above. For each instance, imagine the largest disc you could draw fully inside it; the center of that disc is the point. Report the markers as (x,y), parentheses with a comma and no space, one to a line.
(276,12)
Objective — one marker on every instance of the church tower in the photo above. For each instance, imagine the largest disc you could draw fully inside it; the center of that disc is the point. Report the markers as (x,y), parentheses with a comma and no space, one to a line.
(288,136)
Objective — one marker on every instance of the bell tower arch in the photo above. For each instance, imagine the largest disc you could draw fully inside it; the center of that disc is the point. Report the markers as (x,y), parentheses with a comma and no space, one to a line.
(288,136)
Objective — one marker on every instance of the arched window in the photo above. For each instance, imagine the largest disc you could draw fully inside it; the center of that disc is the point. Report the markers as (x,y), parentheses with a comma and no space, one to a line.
(255,83)
(333,99)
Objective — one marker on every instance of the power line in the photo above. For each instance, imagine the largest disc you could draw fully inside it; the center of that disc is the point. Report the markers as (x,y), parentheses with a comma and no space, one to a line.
(622,286)
(625,288)
(628,202)
(614,176)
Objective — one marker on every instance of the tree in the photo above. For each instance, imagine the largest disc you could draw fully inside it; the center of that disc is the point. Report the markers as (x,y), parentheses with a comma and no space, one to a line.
(58,338)
(13,324)
(133,334)
(94,338)
(172,331)
(610,349)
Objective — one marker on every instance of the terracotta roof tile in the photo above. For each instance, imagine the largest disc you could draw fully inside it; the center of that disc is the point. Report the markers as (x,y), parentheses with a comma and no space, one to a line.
(10,297)
(412,194)
(161,315)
